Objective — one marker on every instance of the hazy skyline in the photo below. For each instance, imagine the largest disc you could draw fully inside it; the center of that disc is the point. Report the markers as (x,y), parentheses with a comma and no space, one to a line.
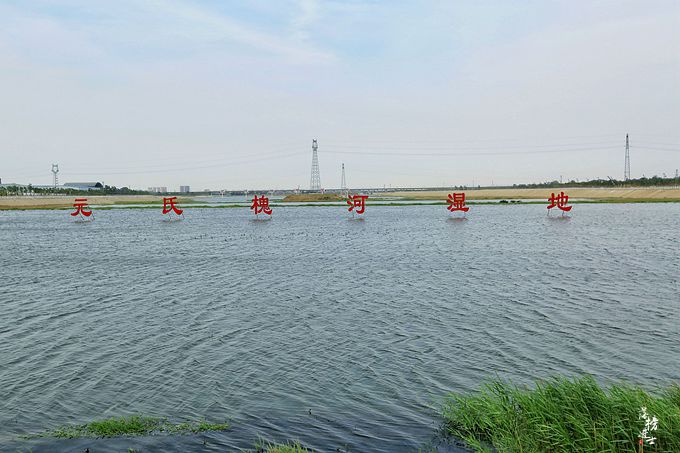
(406,93)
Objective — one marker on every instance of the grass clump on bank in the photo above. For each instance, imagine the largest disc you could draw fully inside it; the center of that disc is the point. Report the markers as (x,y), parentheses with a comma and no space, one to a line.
(291,447)
(134,425)
(562,415)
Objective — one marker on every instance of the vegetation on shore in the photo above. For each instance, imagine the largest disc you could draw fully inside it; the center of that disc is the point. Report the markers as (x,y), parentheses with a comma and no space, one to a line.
(10,190)
(134,425)
(313,197)
(290,447)
(562,415)
(140,425)
(654,181)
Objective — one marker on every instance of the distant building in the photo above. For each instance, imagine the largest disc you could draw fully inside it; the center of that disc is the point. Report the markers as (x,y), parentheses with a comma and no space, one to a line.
(158,189)
(184,189)
(83,185)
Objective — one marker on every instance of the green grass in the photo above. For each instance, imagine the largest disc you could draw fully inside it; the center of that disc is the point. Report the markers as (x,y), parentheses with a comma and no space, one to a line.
(134,425)
(562,415)
(291,447)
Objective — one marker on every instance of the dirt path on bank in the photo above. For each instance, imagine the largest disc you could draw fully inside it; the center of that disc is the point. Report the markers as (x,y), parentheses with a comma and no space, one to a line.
(66,201)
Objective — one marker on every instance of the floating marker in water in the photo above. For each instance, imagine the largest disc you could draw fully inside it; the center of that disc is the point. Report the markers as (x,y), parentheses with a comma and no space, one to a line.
(82,209)
(456,202)
(560,202)
(357,201)
(261,204)
(169,206)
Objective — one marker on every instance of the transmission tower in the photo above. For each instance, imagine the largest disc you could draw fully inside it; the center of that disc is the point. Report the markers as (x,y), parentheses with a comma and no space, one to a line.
(626,170)
(315,183)
(55,179)
(343,183)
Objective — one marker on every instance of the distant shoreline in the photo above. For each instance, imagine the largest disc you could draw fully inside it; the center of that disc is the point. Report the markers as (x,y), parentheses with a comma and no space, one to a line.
(577,194)
(66,201)
(614,194)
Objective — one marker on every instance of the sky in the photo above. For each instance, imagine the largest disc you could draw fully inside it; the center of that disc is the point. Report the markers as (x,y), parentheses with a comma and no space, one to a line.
(229,94)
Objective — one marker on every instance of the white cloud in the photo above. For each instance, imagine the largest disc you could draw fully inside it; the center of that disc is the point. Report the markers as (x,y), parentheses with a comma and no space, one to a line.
(308,14)
(210,25)
(171,81)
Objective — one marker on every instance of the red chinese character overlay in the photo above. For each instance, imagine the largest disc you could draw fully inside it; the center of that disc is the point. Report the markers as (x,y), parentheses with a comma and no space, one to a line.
(261,205)
(357,201)
(81,208)
(169,205)
(560,201)
(456,202)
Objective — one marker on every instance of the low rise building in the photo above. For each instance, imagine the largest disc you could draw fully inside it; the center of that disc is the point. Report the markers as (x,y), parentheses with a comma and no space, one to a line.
(83,185)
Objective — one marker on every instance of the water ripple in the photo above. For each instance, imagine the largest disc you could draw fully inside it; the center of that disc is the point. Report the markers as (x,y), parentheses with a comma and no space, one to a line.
(345,335)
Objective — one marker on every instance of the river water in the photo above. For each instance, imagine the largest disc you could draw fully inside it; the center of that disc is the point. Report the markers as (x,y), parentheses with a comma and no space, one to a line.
(343,334)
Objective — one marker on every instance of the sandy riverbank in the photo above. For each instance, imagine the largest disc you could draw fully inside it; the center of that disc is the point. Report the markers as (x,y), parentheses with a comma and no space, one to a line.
(587,193)
(66,201)
(584,193)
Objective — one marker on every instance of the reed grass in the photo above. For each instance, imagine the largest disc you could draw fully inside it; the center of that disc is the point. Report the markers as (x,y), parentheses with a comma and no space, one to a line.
(562,415)
(290,447)
(134,425)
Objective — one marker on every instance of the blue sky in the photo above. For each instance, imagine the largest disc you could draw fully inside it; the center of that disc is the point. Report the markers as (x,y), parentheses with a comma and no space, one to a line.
(229,94)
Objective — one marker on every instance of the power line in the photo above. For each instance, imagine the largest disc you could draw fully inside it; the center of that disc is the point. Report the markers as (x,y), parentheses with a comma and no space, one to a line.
(471,153)
(467,147)
(199,167)
(610,137)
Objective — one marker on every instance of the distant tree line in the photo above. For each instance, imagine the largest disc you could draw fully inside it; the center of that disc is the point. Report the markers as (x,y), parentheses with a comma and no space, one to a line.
(640,182)
(30,190)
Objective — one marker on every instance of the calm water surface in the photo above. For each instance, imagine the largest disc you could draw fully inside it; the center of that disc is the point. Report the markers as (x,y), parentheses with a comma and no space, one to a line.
(343,334)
